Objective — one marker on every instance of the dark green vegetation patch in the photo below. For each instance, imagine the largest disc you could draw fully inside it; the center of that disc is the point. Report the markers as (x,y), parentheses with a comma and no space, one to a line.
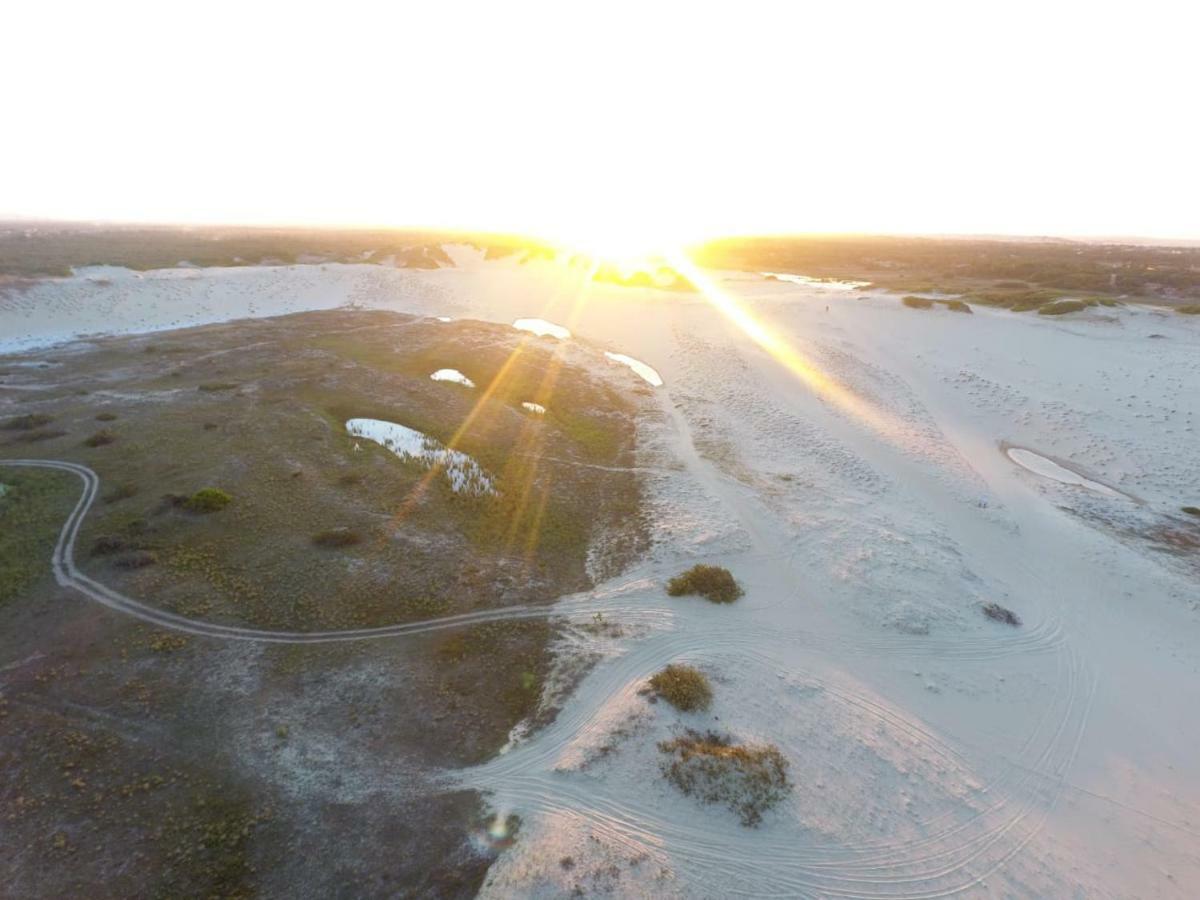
(33,506)
(27,422)
(714,583)
(227,765)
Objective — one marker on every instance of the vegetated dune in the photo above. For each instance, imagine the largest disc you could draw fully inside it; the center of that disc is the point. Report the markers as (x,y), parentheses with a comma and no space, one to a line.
(844,460)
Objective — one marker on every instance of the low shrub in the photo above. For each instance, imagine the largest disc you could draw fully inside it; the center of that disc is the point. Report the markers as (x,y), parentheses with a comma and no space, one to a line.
(136,559)
(109,544)
(213,386)
(1192,309)
(121,492)
(106,417)
(998,613)
(747,778)
(208,500)
(337,537)
(684,687)
(27,422)
(711,582)
(33,437)
(1061,307)
(917,302)
(1190,510)
(956,306)
(100,438)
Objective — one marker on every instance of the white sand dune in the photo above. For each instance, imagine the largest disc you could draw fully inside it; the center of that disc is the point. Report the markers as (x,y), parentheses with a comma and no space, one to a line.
(933,751)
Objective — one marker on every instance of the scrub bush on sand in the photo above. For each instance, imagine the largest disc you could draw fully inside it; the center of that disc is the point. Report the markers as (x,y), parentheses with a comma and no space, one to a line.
(207,500)
(998,613)
(748,778)
(683,687)
(711,582)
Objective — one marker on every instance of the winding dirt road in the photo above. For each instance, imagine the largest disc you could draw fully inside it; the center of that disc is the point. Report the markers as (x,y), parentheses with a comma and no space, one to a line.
(67,574)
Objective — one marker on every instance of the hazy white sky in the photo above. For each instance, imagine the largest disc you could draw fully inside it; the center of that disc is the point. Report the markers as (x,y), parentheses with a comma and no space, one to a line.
(643,119)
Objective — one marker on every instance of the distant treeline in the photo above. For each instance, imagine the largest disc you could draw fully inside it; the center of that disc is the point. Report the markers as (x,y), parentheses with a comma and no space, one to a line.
(40,249)
(998,272)
(956,265)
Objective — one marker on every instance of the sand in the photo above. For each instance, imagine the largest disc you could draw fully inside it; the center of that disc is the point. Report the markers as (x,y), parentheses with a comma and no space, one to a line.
(933,751)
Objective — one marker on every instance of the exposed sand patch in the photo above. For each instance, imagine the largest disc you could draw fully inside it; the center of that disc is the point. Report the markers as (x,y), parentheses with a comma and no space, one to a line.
(452,375)
(1048,468)
(645,372)
(463,473)
(541,327)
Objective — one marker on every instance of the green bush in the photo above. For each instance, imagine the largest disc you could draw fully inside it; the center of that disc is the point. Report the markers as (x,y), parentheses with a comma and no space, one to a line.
(100,438)
(106,417)
(748,778)
(1061,307)
(1191,510)
(684,687)
(711,582)
(957,306)
(207,500)
(1192,309)
(917,302)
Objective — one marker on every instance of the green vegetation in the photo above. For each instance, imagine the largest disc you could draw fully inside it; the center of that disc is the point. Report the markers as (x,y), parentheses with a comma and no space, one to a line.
(1191,510)
(917,302)
(106,417)
(714,583)
(997,272)
(1192,309)
(956,306)
(27,422)
(55,249)
(33,507)
(748,778)
(684,687)
(1062,307)
(208,500)
(100,438)
(214,386)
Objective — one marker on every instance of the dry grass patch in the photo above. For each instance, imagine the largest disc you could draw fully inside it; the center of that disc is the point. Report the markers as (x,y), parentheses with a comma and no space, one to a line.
(748,778)
(100,438)
(337,537)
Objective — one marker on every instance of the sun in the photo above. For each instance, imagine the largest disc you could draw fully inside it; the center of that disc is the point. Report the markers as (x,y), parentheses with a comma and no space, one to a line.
(628,243)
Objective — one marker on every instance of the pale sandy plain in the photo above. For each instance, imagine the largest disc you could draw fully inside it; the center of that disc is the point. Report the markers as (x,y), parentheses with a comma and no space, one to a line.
(870,507)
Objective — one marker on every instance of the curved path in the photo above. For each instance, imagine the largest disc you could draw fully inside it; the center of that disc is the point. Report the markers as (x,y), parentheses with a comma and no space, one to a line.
(67,574)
